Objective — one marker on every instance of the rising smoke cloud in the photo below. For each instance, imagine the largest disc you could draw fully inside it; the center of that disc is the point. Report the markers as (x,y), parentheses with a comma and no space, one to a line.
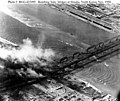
(27,53)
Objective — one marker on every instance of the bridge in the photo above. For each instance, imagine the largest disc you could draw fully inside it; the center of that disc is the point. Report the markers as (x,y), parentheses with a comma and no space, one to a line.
(69,65)
(94,54)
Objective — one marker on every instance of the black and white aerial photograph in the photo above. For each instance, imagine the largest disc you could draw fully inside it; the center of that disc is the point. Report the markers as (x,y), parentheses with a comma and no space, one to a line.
(59,51)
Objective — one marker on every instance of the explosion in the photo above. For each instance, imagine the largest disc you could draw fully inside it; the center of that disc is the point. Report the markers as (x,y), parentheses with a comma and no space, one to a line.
(22,66)
(26,53)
